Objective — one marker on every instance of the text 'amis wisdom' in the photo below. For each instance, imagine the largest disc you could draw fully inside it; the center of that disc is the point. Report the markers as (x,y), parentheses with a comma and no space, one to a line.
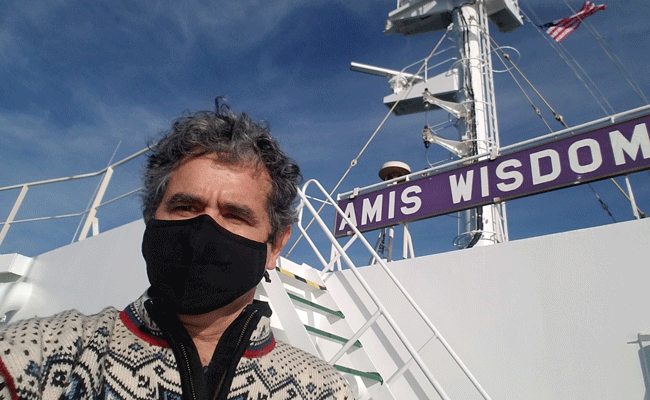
(614,150)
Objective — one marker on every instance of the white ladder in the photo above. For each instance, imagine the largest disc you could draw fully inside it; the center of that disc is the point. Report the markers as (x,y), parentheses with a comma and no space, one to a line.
(346,352)
(306,316)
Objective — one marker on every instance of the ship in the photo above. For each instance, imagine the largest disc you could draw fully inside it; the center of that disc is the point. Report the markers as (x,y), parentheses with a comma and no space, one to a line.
(560,315)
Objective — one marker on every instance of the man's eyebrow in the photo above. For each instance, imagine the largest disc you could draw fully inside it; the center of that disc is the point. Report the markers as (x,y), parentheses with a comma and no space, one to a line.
(241,210)
(181,198)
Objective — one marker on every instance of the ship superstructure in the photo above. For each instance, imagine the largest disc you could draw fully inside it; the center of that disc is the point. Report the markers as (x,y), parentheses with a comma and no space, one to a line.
(556,316)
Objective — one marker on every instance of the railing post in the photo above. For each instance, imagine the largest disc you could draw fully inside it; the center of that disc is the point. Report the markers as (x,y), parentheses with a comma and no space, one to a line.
(632,201)
(98,199)
(13,212)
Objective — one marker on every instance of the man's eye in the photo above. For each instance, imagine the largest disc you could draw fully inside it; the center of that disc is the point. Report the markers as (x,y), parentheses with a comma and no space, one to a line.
(185,208)
(236,217)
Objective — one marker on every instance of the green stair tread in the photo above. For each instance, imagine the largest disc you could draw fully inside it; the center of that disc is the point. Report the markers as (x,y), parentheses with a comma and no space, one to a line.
(331,335)
(317,306)
(370,375)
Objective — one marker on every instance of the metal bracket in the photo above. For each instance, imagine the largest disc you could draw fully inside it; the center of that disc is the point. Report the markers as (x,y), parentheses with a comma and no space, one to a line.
(455,109)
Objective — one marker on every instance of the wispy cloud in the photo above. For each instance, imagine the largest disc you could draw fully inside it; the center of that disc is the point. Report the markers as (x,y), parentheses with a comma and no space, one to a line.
(79,78)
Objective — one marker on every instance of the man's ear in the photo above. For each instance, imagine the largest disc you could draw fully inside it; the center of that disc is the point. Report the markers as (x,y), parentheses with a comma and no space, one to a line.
(276,247)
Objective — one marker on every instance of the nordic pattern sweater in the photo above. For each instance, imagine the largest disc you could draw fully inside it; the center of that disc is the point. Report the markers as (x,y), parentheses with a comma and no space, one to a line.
(124,355)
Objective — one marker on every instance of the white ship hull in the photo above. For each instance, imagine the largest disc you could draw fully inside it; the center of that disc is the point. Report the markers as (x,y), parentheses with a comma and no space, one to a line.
(540,318)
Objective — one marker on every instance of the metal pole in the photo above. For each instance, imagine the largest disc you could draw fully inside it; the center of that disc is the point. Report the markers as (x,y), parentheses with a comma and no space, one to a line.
(646,373)
(479,128)
(635,210)
(12,213)
(389,253)
(379,246)
(98,199)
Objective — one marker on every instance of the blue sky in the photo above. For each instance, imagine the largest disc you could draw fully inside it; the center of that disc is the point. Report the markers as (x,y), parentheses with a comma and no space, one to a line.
(82,81)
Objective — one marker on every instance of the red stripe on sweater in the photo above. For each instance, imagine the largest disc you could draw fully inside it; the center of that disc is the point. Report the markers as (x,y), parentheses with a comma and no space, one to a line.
(8,380)
(130,325)
(261,352)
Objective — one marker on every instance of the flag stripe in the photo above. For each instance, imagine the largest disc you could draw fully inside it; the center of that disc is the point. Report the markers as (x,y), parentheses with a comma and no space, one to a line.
(561,28)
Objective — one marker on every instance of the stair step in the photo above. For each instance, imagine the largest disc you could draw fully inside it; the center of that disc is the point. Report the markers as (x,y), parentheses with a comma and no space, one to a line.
(332,336)
(370,375)
(316,306)
(300,278)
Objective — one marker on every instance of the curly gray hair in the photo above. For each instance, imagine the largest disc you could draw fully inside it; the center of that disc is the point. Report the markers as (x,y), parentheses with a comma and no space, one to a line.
(235,138)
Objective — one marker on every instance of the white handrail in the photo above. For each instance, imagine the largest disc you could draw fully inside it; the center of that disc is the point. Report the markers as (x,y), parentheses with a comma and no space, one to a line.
(75,177)
(306,204)
(90,211)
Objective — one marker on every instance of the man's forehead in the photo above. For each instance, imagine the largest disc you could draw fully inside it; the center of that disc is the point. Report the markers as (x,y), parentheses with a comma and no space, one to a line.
(226,158)
(250,165)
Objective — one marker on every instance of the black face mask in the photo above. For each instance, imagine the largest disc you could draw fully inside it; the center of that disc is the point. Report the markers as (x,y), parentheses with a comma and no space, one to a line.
(197,266)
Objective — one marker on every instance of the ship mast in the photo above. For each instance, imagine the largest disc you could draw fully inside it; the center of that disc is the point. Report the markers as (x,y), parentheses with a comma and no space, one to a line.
(487,224)
(473,104)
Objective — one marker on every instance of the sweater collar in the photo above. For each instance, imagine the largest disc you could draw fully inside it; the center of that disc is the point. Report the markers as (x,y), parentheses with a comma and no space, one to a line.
(138,321)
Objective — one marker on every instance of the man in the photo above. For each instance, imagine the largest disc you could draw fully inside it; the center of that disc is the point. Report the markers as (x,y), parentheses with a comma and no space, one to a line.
(217,204)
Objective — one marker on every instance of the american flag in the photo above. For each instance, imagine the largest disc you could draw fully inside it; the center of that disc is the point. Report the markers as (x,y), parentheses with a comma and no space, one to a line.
(562,27)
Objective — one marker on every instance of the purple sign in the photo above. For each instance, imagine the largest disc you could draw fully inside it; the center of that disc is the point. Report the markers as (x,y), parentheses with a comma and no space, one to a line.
(614,150)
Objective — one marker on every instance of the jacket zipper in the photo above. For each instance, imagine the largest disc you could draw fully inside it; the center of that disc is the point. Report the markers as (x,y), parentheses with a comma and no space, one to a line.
(180,344)
(187,363)
(241,337)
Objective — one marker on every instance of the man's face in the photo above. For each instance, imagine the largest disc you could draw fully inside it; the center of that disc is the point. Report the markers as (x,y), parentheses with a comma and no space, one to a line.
(234,195)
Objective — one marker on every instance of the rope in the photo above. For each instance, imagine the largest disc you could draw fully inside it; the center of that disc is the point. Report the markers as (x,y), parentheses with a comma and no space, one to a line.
(355,160)
(530,101)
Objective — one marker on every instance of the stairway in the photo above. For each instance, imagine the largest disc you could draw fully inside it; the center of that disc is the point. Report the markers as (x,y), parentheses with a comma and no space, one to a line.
(306,315)
(355,332)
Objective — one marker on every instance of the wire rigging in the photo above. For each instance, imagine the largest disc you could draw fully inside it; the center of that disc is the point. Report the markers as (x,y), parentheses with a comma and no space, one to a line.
(619,65)
(602,203)
(558,117)
(355,160)
(573,64)
(614,58)
(565,55)
(504,56)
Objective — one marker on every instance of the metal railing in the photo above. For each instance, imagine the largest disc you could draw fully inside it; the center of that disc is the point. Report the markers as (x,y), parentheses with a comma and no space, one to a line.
(340,253)
(90,212)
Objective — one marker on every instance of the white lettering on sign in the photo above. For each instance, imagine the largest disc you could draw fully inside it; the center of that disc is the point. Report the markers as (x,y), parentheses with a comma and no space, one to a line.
(555,166)
(485,182)
(546,167)
(596,157)
(461,189)
(639,140)
(516,176)
(414,200)
(370,212)
(349,212)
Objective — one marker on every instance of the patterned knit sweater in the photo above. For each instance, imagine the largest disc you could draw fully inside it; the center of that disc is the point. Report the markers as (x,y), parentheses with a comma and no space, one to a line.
(124,355)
